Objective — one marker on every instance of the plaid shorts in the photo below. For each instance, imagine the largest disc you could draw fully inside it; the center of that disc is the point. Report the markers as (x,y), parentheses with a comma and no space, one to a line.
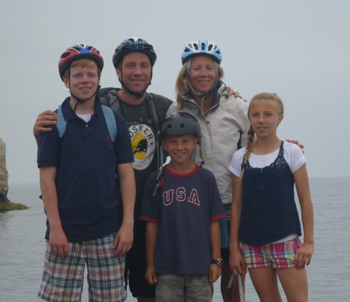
(276,255)
(63,278)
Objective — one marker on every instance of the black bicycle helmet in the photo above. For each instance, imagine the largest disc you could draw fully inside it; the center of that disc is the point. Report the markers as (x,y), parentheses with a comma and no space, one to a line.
(77,52)
(180,123)
(133,44)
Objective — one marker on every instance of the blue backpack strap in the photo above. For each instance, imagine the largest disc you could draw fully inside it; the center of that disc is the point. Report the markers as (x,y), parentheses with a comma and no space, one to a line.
(107,113)
(111,122)
(61,122)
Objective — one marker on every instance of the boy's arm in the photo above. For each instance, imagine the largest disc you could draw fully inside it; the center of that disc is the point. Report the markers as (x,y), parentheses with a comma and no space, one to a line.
(215,270)
(43,122)
(151,239)
(304,253)
(124,239)
(58,240)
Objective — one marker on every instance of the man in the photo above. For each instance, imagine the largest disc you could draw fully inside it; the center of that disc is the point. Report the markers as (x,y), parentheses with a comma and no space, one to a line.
(133,60)
(81,160)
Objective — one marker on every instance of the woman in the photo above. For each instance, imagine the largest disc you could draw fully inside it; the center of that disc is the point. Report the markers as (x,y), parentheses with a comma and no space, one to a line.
(223,120)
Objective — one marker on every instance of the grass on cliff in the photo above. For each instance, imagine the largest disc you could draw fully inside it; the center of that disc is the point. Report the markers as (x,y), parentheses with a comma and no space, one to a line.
(6,205)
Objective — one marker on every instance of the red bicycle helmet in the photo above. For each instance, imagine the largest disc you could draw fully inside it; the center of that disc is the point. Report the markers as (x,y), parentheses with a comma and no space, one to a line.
(77,52)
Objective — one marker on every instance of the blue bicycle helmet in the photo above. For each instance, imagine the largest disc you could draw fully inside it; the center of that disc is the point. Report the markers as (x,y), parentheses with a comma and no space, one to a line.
(77,52)
(133,44)
(201,47)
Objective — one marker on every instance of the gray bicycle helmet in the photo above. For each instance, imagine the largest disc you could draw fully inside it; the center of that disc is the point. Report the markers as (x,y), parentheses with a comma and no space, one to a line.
(180,123)
(133,44)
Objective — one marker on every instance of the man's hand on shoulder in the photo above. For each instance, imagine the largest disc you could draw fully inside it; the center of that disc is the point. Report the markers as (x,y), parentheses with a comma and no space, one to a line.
(231,92)
(43,121)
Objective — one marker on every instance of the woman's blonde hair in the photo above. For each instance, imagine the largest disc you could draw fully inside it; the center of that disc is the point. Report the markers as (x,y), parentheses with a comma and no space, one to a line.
(183,84)
(251,134)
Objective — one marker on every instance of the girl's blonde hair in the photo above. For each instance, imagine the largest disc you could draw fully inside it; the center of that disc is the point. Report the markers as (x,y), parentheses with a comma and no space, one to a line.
(183,84)
(267,96)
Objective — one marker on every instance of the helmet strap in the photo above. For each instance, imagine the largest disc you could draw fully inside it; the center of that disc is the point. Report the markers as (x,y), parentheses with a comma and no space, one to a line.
(80,101)
(138,95)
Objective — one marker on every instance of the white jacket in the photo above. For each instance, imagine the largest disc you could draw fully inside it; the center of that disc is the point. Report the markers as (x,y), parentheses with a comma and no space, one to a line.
(224,130)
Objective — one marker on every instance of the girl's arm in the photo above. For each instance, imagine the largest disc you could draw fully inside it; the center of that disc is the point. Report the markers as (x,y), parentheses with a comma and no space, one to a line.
(215,270)
(304,254)
(151,239)
(237,264)
(58,240)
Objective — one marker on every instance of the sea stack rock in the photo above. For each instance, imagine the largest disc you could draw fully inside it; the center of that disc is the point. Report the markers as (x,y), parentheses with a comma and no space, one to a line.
(5,204)
(4,188)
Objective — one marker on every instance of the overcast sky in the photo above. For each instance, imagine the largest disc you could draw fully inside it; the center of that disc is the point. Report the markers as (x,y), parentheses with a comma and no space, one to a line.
(298,49)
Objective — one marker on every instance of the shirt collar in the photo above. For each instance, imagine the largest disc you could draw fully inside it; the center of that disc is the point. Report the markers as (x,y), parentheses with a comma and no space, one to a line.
(69,113)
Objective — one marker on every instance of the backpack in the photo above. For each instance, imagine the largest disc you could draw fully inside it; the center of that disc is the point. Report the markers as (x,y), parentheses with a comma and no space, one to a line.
(108,116)
(109,97)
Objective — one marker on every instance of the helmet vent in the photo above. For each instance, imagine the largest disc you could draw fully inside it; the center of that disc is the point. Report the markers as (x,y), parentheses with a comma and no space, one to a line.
(180,123)
(201,47)
(77,52)
(66,54)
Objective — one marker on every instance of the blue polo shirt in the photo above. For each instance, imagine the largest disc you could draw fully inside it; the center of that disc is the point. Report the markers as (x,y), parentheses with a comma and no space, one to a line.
(86,179)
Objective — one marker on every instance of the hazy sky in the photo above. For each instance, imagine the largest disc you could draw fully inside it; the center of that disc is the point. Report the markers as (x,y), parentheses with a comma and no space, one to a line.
(298,49)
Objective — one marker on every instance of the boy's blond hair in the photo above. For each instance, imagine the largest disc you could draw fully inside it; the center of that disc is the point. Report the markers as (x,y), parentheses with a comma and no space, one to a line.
(82,63)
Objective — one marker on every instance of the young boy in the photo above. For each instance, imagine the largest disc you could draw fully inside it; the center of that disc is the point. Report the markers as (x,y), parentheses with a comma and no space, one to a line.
(182,208)
(83,171)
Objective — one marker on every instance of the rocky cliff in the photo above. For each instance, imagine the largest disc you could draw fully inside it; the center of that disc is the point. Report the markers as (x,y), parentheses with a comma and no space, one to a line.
(3,171)
(5,204)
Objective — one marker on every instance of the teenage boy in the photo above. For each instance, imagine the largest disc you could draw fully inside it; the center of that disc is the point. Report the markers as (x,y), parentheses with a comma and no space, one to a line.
(182,208)
(88,188)
(133,60)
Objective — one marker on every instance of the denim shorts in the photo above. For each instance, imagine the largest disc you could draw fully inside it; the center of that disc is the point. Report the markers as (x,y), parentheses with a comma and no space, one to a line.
(276,255)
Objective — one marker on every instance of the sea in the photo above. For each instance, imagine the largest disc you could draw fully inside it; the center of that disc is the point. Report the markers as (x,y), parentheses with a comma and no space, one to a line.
(22,245)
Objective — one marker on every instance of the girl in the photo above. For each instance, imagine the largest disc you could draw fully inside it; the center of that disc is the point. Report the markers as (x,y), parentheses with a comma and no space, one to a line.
(265,226)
